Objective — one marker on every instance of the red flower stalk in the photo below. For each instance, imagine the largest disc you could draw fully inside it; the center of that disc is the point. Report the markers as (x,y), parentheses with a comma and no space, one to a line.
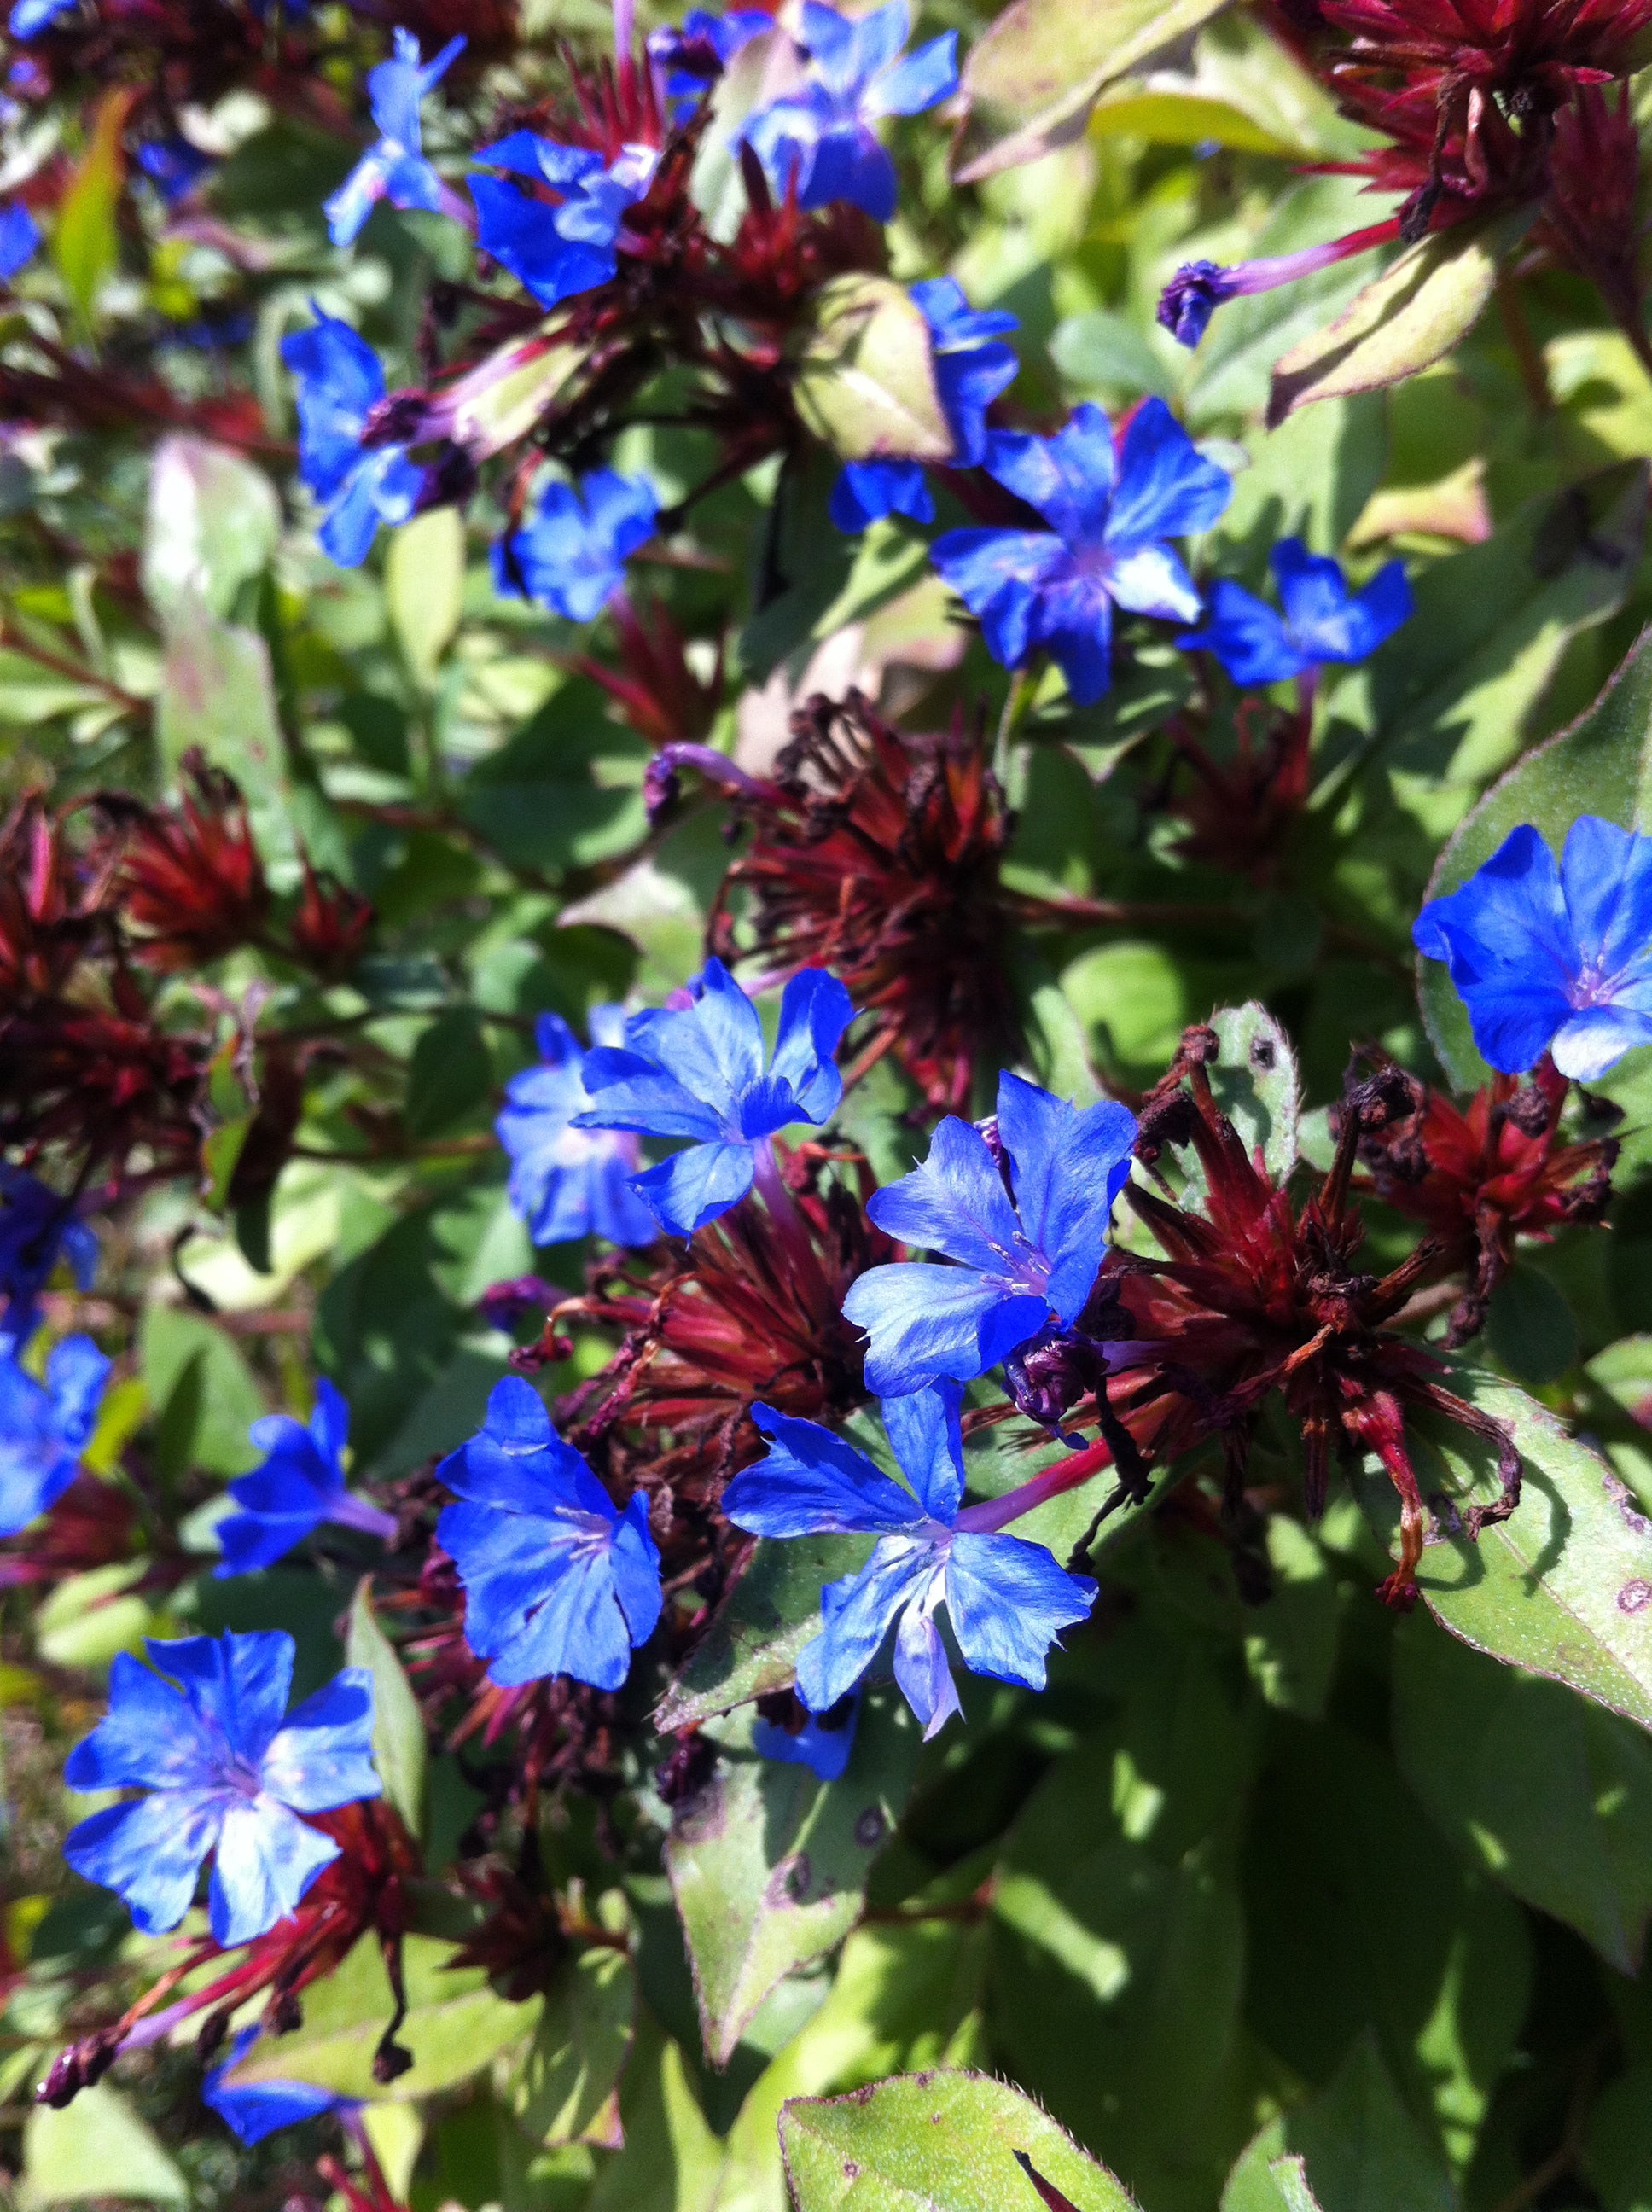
(189,881)
(662,698)
(1256,1296)
(330,924)
(1482,1175)
(363,1891)
(876,855)
(1239,812)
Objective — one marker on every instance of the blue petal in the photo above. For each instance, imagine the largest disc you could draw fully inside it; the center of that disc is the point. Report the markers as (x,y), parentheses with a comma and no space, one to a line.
(523,236)
(968,384)
(20,237)
(955,1202)
(253,2110)
(1008,1599)
(348,208)
(1606,874)
(634,1563)
(28,18)
(1000,575)
(324,1756)
(240,1684)
(814,1011)
(150,1852)
(266,1858)
(36,1466)
(576,1629)
(926,1322)
(1588,1044)
(151,1737)
(1246,637)
(339,380)
(824,1751)
(693,1188)
(849,164)
(916,82)
(923,1427)
(922,1671)
(1150,580)
(1166,487)
(867,492)
(714,1047)
(856,1614)
(1074,618)
(1069,1165)
(517,1419)
(813,1483)
(1508,941)
(256,1538)
(629,1090)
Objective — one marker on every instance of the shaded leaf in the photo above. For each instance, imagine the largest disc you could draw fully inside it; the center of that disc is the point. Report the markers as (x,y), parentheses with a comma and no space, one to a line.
(769,1866)
(399,1739)
(450,1074)
(96,2147)
(1363,2151)
(751,1644)
(564,2089)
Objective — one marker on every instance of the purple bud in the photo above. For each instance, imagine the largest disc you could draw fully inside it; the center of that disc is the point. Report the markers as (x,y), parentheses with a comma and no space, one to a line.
(1191,297)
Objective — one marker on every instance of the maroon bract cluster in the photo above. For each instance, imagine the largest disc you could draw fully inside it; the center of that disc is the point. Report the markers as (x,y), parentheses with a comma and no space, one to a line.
(1481,1176)
(1240,810)
(1256,1296)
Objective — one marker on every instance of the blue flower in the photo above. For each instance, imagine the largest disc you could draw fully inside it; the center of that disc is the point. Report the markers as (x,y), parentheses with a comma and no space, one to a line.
(394,168)
(557,1581)
(28,18)
(1006,1599)
(37,1229)
(571,556)
(1109,519)
(566,1181)
(823,1744)
(172,166)
(20,237)
(693,56)
(200,1729)
(697,1071)
(1322,621)
(1025,1261)
(45,1427)
(253,2110)
(557,249)
(1553,960)
(299,1486)
(971,369)
(820,137)
(339,384)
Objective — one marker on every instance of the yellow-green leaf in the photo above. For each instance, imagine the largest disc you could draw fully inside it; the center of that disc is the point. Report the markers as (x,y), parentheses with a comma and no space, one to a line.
(865,378)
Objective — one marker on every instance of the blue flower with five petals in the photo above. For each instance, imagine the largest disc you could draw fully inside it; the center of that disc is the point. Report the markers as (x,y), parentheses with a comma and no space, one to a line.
(1007,1599)
(820,138)
(45,1427)
(299,1486)
(697,1071)
(1322,620)
(394,167)
(1109,517)
(557,1581)
(1027,1254)
(340,382)
(557,249)
(253,2110)
(571,556)
(566,1181)
(205,1730)
(38,1229)
(971,368)
(1547,959)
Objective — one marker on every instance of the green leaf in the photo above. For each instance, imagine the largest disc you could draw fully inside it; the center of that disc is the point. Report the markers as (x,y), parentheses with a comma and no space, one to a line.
(1362,2149)
(455,2025)
(450,1075)
(234,1111)
(672,2160)
(205,1395)
(1253,1081)
(1403,321)
(96,2147)
(399,1739)
(1530,1328)
(865,376)
(1550,1794)
(947,2142)
(1031,79)
(564,2089)
(217,691)
(1601,764)
(752,1642)
(1291,1641)
(769,1866)
(1290,2177)
(85,244)
(212,524)
(424,587)
(1563,1586)
(566,791)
